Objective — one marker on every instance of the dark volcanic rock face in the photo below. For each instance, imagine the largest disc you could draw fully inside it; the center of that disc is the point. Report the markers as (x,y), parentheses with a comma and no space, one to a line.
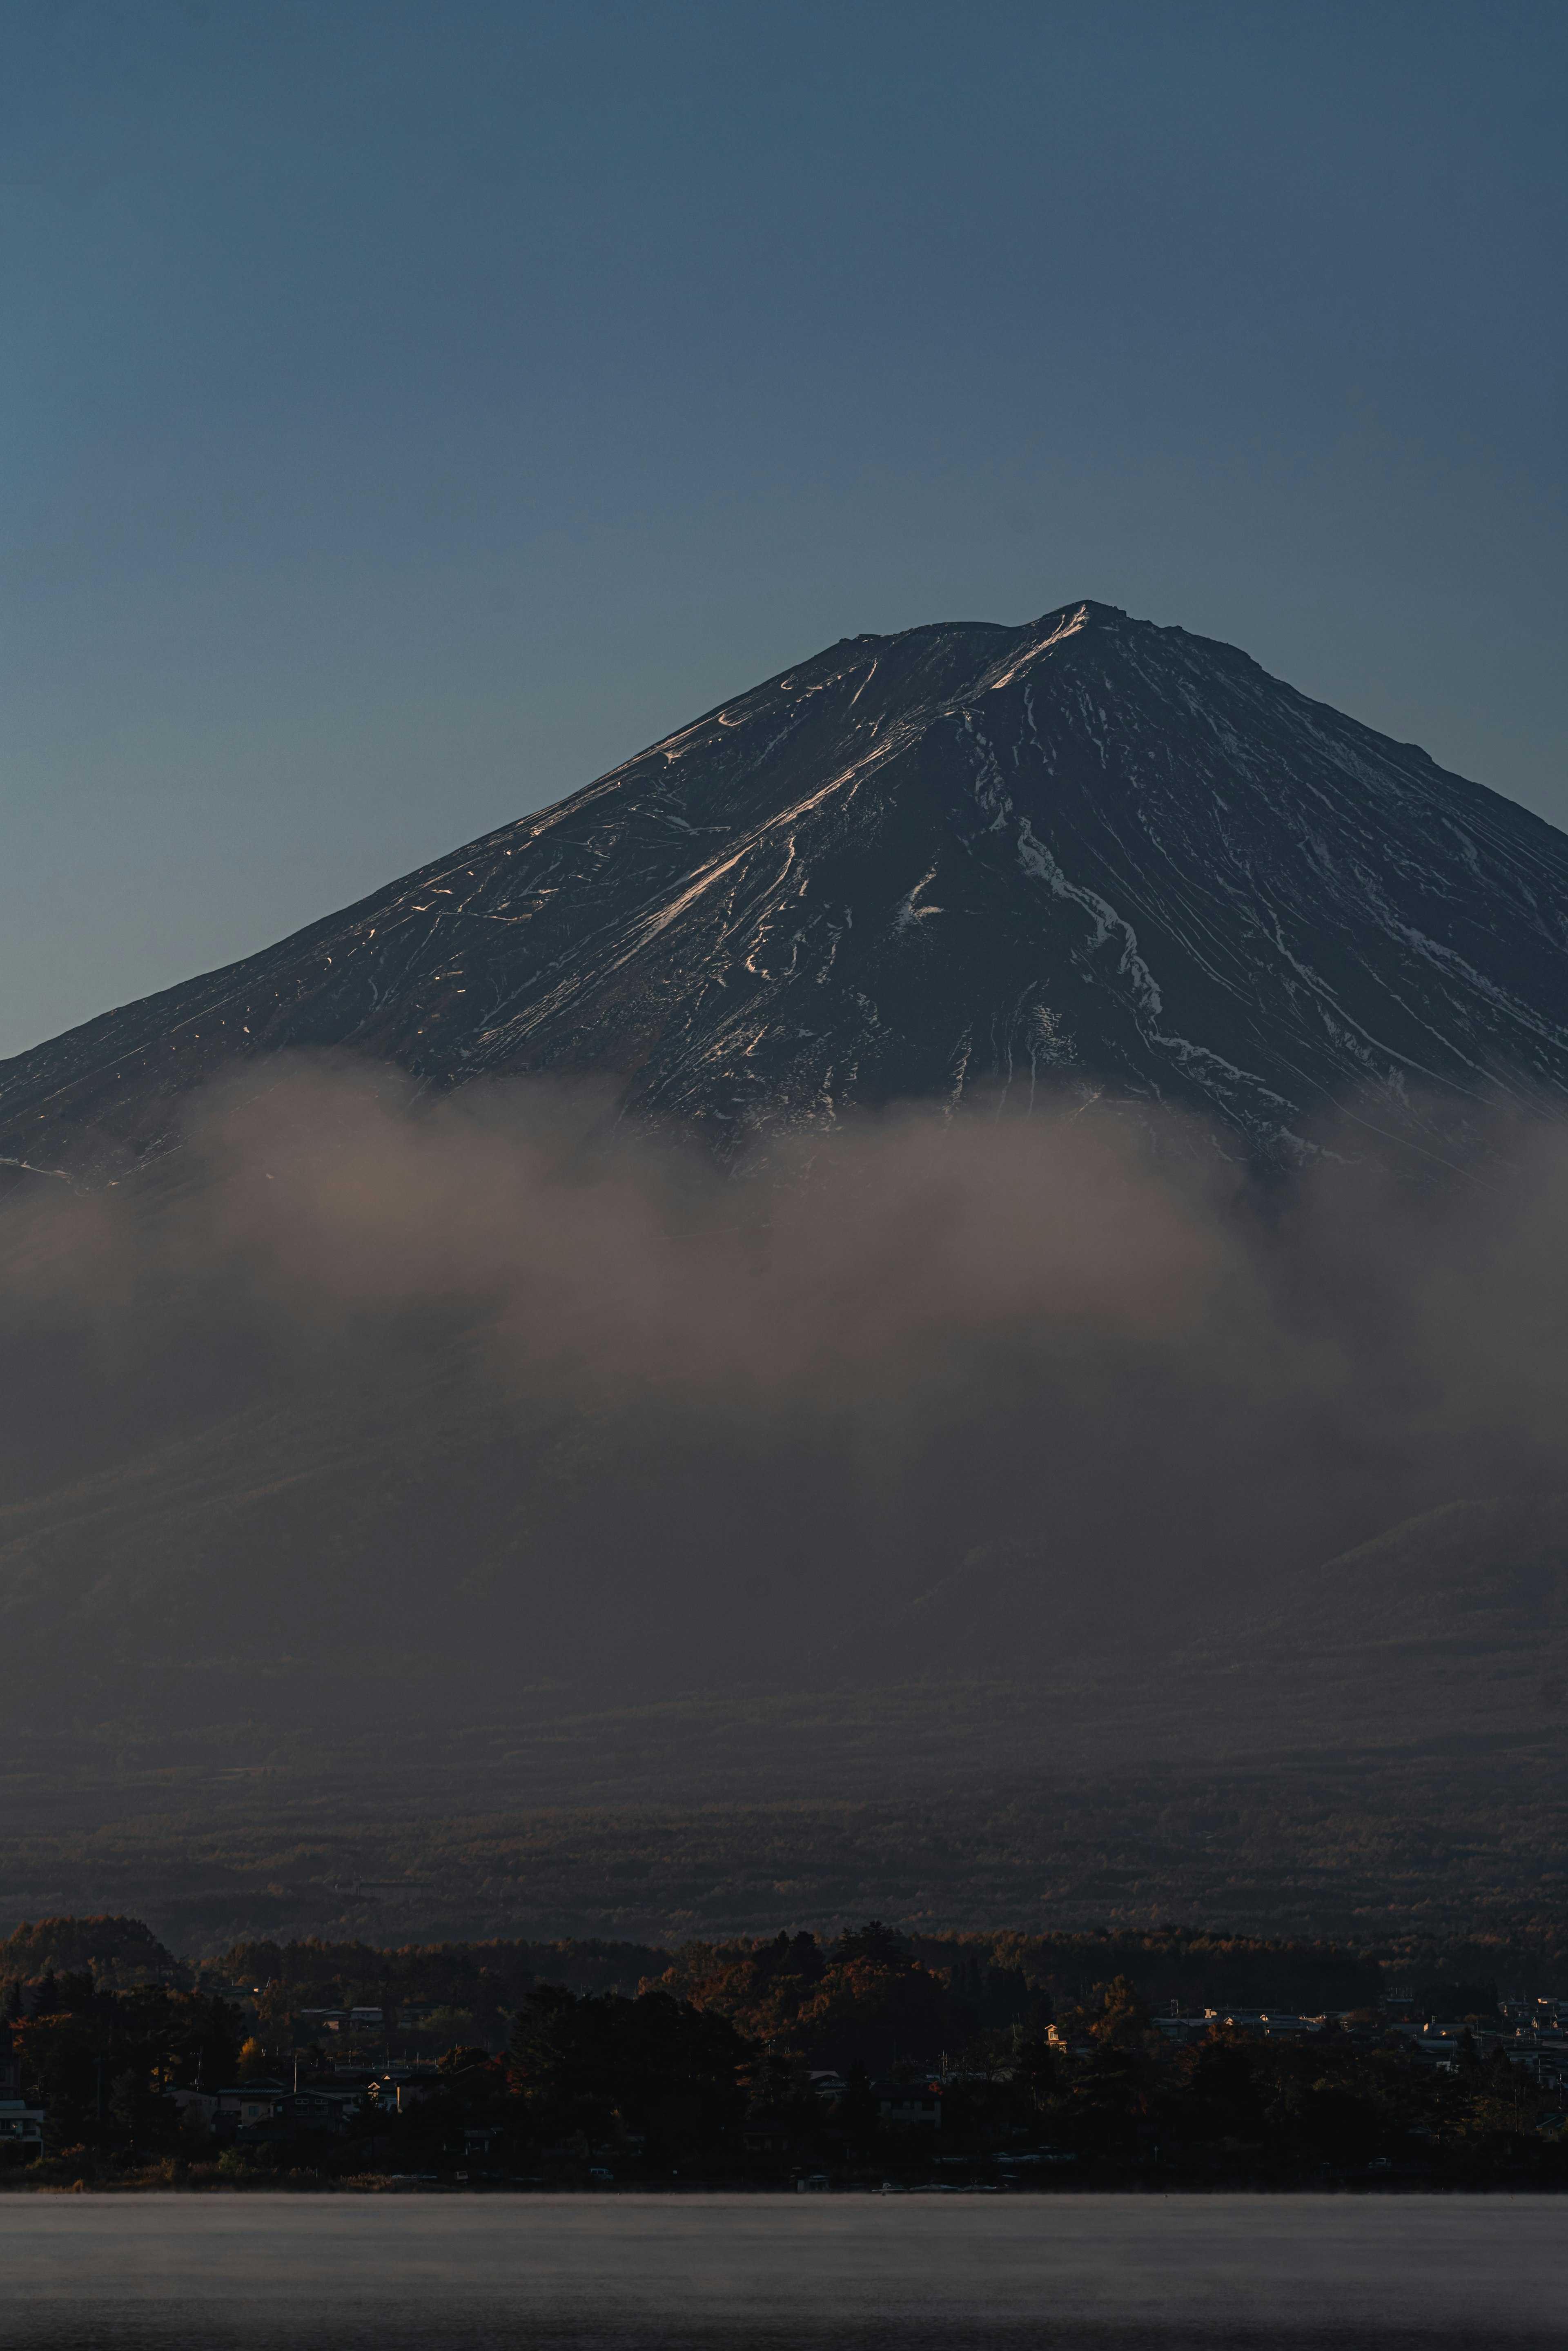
(1088,852)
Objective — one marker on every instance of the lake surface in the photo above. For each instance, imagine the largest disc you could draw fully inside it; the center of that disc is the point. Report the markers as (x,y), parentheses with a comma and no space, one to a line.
(201,2272)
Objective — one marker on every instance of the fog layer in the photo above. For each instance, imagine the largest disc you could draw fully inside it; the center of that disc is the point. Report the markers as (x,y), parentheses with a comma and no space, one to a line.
(502,1395)
(780,2269)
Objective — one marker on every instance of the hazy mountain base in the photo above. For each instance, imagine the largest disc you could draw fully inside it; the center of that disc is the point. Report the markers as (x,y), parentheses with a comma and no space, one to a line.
(1404,1848)
(352,1413)
(1382,1754)
(444,1502)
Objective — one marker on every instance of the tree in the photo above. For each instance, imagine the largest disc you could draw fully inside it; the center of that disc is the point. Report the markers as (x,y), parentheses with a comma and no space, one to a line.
(276,2004)
(1037,2072)
(1473,1997)
(252,2060)
(1112,2092)
(856,2113)
(1222,2101)
(563,2061)
(1123,2020)
(597,2066)
(874,1941)
(76,1993)
(806,1958)
(211,2049)
(125,2099)
(461,2058)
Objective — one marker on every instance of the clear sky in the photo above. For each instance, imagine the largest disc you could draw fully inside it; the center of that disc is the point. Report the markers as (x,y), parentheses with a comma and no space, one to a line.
(411,407)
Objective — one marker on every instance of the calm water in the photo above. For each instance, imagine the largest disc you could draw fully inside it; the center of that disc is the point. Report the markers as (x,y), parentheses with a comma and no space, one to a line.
(767,2272)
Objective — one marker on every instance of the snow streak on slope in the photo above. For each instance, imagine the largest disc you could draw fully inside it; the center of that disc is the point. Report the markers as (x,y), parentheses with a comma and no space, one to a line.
(962,859)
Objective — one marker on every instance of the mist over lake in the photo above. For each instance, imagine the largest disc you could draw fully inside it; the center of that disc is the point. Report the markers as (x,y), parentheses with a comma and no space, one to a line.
(184,2272)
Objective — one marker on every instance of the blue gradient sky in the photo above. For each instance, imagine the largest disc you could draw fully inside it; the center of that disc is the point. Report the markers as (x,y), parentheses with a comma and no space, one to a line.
(410,410)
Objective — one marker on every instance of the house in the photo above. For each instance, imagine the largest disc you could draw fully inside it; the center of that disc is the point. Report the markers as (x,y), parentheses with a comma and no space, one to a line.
(396,2094)
(1442,2055)
(908,2102)
(1551,2067)
(766,2135)
(1259,2023)
(203,2104)
(247,2104)
(323,2110)
(21,2126)
(342,2020)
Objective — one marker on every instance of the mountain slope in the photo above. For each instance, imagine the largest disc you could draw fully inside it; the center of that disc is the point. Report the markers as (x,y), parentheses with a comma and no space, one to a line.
(1087,851)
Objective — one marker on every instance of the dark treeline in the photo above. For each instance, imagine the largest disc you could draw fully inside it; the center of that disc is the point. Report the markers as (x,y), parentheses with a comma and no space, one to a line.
(102,2061)
(714,2083)
(818,1992)
(960,1982)
(1107,2098)
(485,1980)
(119,1952)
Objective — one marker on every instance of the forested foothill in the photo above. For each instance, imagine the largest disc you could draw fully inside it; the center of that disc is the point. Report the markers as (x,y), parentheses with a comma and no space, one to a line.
(984,2060)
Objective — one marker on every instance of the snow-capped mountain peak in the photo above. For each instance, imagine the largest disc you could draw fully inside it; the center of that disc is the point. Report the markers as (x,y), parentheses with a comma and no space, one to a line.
(1089,852)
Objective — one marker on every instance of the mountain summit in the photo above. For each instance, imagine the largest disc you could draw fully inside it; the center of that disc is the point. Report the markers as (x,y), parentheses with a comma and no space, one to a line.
(1089,852)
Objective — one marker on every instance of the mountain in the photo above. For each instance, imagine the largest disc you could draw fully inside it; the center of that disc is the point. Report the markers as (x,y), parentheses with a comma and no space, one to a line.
(240,1506)
(966,858)
(1453,1624)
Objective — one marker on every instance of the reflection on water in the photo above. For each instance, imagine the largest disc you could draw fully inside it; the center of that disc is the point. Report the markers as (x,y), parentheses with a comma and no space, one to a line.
(336,2273)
